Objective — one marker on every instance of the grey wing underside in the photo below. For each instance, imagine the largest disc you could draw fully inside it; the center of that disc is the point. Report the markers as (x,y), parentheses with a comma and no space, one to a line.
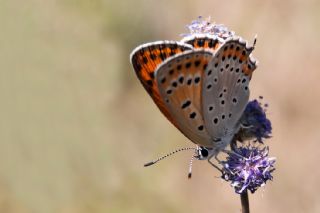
(225,90)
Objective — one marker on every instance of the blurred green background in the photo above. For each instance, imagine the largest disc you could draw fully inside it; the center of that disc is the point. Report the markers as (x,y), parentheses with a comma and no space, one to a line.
(77,126)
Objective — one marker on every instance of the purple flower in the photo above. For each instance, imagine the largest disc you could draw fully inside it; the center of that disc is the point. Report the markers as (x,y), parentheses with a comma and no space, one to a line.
(248,168)
(201,26)
(254,123)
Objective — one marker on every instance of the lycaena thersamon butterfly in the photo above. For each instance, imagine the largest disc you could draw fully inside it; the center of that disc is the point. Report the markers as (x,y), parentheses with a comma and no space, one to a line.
(201,84)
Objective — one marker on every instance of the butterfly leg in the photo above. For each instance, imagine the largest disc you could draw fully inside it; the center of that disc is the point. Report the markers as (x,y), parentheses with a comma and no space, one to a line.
(255,40)
(217,159)
(231,152)
(212,164)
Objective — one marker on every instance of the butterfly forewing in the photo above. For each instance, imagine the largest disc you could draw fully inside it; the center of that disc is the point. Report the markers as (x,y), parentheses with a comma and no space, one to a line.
(203,41)
(225,90)
(145,60)
(179,80)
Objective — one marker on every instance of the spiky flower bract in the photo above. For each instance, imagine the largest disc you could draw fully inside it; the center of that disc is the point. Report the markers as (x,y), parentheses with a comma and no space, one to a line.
(248,168)
(205,27)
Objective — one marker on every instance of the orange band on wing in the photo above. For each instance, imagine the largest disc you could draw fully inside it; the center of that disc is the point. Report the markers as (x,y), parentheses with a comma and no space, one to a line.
(145,60)
(206,42)
(248,66)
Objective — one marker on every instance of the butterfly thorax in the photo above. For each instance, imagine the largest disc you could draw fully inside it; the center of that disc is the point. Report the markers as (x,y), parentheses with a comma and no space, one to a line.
(223,141)
(204,153)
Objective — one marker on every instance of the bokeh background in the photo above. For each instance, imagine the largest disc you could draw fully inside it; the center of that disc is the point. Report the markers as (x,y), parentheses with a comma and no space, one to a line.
(77,126)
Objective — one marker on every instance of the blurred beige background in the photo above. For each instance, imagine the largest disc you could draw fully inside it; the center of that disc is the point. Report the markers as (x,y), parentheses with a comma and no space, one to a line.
(77,126)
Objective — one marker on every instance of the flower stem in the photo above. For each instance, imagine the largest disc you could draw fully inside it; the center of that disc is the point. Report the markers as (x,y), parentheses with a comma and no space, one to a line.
(244,195)
(245,202)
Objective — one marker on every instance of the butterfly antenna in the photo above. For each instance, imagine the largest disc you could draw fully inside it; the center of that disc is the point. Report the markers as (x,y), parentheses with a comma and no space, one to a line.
(167,155)
(255,40)
(190,167)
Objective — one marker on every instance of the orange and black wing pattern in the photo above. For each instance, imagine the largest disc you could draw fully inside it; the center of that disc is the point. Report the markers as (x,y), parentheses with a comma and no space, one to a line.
(203,41)
(213,43)
(146,58)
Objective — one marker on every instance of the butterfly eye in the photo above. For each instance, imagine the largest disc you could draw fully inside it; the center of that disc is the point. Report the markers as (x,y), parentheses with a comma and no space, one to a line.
(204,152)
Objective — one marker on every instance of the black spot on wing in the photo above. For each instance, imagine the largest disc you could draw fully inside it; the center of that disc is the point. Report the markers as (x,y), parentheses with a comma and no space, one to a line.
(185,104)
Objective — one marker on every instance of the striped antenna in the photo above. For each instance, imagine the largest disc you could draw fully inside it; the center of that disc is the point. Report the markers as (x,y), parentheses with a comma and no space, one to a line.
(190,167)
(167,155)
(255,40)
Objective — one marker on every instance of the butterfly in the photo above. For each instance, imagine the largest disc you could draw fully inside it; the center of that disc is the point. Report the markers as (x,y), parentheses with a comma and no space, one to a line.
(200,84)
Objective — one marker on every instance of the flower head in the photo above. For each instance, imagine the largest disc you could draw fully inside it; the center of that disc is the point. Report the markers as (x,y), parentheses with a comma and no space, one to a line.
(248,168)
(255,123)
(204,26)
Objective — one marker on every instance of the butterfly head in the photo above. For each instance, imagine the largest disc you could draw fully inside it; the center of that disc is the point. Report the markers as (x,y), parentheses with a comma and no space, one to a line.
(203,153)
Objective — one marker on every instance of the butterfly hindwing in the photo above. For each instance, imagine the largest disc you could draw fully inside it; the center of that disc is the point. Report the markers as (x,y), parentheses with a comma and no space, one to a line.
(225,90)
(146,58)
(179,80)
